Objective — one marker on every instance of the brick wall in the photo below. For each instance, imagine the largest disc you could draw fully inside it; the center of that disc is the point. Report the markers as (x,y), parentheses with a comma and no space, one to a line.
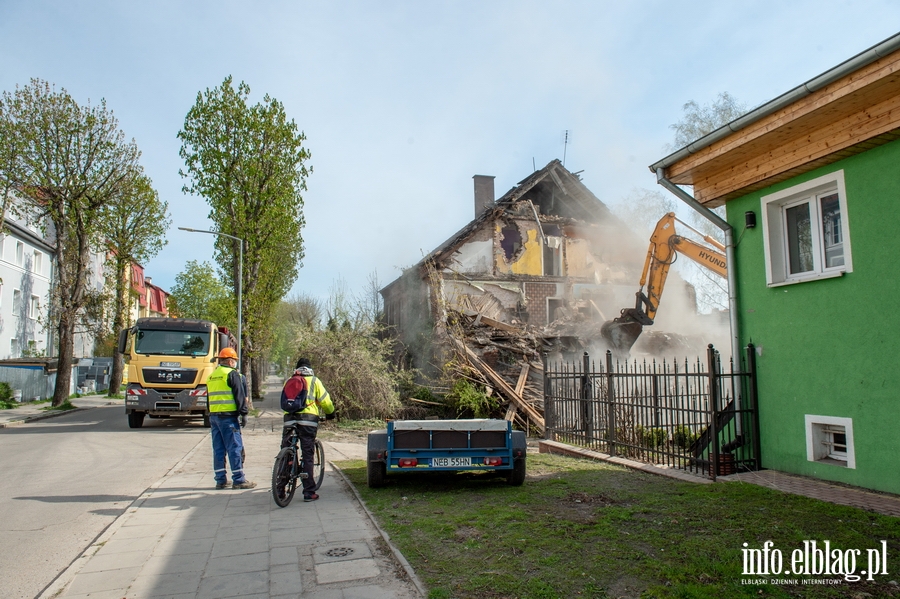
(536,295)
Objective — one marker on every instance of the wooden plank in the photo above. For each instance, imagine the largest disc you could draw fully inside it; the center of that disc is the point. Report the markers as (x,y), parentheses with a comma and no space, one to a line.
(523,376)
(504,388)
(511,411)
(497,324)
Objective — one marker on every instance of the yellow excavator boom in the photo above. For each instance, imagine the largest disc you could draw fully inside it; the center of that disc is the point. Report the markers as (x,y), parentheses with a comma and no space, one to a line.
(665,243)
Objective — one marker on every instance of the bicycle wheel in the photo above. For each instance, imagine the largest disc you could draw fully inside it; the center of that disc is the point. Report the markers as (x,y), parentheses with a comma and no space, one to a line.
(318,465)
(283,481)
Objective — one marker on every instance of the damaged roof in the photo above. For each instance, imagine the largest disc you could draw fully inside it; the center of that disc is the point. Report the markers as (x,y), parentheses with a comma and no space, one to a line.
(553,190)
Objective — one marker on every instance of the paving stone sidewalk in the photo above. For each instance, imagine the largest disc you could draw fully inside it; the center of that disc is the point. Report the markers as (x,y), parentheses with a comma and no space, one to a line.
(183,539)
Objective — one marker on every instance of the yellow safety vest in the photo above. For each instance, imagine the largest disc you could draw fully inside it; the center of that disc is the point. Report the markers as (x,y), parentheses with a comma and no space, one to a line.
(221,398)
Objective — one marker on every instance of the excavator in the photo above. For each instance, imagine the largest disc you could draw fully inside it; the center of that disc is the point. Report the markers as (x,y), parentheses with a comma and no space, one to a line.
(622,332)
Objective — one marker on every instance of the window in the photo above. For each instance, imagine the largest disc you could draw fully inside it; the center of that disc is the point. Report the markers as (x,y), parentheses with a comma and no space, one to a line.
(805,231)
(38,266)
(17,301)
(14,347)
(20,253)
(34,307)
(829,440)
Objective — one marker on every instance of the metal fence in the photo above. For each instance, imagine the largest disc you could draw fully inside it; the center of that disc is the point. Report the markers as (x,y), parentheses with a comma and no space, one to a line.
(687,415)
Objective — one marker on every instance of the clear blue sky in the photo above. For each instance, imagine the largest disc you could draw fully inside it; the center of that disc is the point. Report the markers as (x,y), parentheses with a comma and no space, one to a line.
(402,102)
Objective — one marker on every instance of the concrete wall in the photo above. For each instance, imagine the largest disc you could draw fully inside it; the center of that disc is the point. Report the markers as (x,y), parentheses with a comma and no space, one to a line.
(829,347)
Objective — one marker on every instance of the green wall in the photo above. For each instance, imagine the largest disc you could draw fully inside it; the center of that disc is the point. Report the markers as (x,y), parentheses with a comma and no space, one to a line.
(830,347)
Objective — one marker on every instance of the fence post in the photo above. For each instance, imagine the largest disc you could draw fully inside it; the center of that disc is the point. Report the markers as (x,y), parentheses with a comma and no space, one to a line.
(586,420)
(549,418)
(754,403)
(714,410)
(610,406)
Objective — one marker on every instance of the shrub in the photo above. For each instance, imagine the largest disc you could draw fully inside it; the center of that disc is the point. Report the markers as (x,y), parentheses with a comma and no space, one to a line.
(652,437)
(683,437)
(465,398)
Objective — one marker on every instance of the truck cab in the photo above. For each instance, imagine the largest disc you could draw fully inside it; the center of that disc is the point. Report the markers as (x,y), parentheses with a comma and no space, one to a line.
(167,363)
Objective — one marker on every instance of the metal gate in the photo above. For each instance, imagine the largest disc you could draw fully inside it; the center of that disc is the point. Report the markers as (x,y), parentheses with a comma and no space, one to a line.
(689,416)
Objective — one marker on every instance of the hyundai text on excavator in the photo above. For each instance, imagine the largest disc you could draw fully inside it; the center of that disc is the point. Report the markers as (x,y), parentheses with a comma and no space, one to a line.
(622,332)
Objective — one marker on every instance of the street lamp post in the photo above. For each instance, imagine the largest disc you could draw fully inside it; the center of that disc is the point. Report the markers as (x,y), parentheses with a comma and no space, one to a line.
(239,281)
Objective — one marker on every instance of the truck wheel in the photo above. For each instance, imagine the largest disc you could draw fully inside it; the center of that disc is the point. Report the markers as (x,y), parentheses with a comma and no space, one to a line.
(206,420)
(135,419)
(376,473)
(516,476)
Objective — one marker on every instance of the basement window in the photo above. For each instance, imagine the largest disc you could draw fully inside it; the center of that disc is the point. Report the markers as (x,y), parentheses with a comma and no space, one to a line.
(805,231)
(829,440)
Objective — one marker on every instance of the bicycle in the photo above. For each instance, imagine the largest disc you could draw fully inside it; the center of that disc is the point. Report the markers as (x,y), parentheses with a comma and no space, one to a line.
(287,468)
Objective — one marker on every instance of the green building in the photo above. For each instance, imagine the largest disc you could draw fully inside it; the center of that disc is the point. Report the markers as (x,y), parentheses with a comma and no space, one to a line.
(810,181)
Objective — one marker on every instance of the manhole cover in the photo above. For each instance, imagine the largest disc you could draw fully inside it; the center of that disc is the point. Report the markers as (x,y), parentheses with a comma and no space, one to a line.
(339,552)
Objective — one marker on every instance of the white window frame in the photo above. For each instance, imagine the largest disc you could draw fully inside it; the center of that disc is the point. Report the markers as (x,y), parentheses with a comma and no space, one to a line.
(20,253)
(34,307)
(773,208)
(820,442)
(17,302)
(38,263)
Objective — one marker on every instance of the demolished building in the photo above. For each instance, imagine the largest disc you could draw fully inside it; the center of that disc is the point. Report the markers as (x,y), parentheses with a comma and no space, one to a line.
(540,269)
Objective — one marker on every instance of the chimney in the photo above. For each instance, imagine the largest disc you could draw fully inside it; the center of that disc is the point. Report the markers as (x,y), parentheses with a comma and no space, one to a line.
(484,193)
(149,280)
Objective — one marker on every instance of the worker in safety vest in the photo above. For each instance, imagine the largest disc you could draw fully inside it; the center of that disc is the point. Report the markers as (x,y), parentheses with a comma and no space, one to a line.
(317,399)
(227,414)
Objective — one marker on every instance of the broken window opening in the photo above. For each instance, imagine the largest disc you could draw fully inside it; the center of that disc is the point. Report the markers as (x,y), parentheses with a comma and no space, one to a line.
(511,242)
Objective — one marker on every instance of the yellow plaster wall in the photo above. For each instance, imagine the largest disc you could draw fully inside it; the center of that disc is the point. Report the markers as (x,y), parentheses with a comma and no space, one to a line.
(529,262)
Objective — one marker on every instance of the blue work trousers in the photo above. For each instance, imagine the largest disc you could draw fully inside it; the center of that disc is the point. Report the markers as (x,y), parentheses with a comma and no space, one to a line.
(226,440)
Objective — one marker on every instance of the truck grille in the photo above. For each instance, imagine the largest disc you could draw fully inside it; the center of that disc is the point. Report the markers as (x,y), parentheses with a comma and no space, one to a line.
(171,376)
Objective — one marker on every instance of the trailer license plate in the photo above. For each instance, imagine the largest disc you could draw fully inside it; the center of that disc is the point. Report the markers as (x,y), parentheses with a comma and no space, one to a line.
(450,462)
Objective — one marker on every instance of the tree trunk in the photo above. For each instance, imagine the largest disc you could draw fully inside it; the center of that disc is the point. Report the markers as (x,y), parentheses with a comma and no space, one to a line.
(118,364)
(258,377)
(64,366)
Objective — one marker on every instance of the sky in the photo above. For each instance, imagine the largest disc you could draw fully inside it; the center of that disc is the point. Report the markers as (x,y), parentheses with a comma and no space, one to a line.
(402,102)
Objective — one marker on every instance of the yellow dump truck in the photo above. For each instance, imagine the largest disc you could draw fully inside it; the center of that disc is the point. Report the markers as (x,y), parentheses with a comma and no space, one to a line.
(167,363)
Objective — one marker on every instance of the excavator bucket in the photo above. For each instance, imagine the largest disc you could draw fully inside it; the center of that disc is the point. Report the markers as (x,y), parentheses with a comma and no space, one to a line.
(622,332)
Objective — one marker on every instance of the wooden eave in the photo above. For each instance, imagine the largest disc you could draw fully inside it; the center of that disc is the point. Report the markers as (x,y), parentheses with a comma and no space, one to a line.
(853,114)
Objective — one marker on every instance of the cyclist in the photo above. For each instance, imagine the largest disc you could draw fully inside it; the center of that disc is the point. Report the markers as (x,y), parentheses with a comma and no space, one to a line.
(318,401)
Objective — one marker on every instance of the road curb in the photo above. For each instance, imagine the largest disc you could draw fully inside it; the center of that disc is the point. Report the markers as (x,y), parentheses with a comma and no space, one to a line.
(59,584)
(384,535)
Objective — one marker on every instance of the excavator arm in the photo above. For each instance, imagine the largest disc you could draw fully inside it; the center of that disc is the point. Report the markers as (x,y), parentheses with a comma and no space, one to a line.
(665,244)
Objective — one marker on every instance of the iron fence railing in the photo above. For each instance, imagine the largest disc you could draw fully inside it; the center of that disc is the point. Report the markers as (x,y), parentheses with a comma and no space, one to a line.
(685,415)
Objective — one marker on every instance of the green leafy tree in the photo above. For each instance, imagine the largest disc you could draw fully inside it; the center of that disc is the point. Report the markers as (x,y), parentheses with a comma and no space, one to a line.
(199,293)
(68,162)
(134,225)
(249,163)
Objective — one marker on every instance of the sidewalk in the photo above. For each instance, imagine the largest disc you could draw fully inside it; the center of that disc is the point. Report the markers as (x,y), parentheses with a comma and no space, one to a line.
(183,539)
(29,412)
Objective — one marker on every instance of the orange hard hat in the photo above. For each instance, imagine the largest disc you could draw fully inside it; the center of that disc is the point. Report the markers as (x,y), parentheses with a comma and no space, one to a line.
(228,352)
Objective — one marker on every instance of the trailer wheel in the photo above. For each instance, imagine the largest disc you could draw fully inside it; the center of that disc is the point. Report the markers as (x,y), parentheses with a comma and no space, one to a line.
(376,474)
(135,419)
(516,476)
(376,468)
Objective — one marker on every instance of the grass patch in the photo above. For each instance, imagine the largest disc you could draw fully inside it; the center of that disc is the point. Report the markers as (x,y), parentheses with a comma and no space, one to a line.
(578,528)
(66,405)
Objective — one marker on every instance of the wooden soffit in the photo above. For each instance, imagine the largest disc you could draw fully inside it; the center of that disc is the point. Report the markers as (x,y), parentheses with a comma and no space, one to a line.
(846,117)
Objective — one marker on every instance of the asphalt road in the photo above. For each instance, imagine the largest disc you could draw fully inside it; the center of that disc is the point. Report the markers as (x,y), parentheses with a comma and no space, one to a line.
(66,479)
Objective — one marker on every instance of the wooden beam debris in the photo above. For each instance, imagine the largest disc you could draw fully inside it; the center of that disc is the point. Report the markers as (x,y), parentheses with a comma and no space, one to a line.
(510,393)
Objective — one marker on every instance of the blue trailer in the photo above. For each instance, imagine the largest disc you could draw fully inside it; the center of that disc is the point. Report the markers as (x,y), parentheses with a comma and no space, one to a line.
(446,445)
